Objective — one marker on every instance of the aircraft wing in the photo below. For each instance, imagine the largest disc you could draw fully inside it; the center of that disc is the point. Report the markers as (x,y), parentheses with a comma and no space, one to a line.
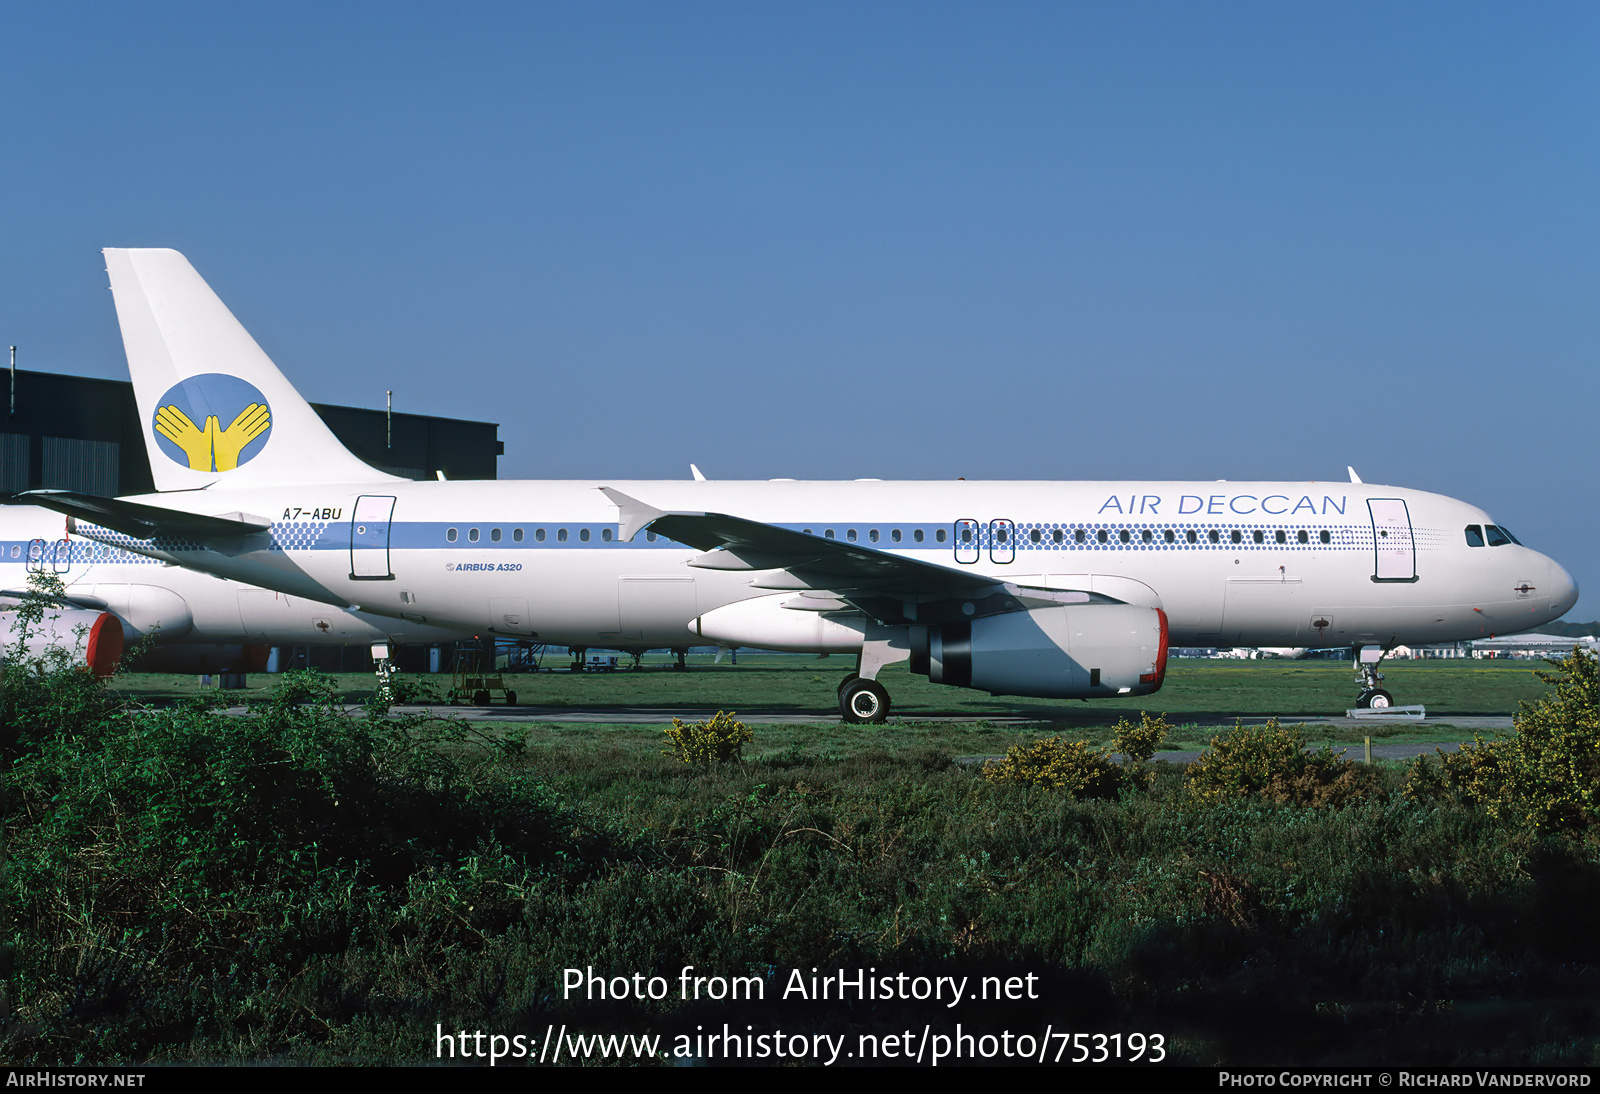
(887,586)
(141,521)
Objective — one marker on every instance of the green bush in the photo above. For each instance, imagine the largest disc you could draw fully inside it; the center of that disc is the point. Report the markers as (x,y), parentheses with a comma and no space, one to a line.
(1547,774)
(1270,762)
(1081,771)
(717,740)
(1056,762)
(1138,743)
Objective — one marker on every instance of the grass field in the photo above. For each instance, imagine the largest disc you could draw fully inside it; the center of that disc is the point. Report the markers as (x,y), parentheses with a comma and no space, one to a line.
(297,884)
(1196,693)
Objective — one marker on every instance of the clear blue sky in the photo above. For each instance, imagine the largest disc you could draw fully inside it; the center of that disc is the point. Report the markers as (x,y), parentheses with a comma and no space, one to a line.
(819,240)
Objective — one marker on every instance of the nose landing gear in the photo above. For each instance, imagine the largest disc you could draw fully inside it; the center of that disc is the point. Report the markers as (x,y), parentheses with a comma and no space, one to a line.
(1372,696)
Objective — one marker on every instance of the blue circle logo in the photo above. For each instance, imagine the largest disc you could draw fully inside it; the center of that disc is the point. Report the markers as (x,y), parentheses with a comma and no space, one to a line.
(212,422)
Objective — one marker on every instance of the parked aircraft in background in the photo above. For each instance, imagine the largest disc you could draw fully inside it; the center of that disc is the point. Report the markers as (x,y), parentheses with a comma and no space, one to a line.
(1049,589)
(195,622)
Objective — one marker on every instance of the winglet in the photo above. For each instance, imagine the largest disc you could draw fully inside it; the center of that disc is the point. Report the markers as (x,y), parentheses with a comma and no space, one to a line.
(699,476)
(633,514)
(1355,478)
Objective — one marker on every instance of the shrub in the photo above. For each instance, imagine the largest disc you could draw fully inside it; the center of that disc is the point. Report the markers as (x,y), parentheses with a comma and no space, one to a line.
(1137,743)
(1270,762)
(717,740)
(1547,774)
(1056,762)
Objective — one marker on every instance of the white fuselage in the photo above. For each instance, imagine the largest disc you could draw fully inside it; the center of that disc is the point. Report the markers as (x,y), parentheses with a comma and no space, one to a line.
(1231,564)
(169,604)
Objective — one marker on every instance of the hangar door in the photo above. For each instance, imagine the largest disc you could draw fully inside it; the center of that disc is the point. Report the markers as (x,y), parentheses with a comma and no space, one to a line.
(1394,551)
(369,538)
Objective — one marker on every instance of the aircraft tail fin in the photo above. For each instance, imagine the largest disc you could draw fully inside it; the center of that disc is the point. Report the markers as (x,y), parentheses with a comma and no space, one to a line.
(214,407)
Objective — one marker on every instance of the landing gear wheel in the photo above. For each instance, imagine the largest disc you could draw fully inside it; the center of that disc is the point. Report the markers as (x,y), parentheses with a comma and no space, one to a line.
(846,682)
(863,702)
(480,698)
(1375,699)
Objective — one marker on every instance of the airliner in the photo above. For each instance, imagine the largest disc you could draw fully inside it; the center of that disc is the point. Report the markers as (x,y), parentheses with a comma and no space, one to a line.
(1037,589)
(189,621)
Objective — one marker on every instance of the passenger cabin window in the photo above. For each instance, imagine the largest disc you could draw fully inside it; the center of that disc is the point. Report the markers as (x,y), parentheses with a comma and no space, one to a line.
(894,534)
(828,533)
(1170,536)
(1077,535)
(1258,535)
(1035,535)
(939,535)
(1302,536)
(966,541)
(583,534)
(605,534)
(1192,536)
(1057,536)
(650,537)
(516,535)
(873,535)
(917,535)
(494,535)
(1124,535)
(472,534)
(561,535)
(1324,537)
(538,534)
(1147,535)
(450,535)
(1214,535)
(1474,536)
(850,534)
(1280,536)
(1102,535)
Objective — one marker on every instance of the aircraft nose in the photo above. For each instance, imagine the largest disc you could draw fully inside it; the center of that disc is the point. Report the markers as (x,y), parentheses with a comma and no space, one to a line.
(1563,590)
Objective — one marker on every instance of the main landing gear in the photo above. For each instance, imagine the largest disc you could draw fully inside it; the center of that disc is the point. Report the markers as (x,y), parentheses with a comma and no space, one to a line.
(862,702)
(1372,696)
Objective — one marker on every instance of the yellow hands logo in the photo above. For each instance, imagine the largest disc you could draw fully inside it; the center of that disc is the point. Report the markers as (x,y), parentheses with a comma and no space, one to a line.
(210,446)
(226,444)
(175,425)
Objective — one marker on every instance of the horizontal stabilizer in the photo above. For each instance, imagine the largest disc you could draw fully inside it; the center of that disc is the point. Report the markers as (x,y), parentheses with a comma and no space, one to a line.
(142,521)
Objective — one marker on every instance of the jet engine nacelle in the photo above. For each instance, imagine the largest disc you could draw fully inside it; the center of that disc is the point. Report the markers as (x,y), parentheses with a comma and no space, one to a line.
(1070,651)
(144,609)
(91,640)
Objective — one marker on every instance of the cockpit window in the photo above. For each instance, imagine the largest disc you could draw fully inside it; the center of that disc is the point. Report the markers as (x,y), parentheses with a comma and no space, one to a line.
(1497,537)
(1474,536)
(1509,536)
